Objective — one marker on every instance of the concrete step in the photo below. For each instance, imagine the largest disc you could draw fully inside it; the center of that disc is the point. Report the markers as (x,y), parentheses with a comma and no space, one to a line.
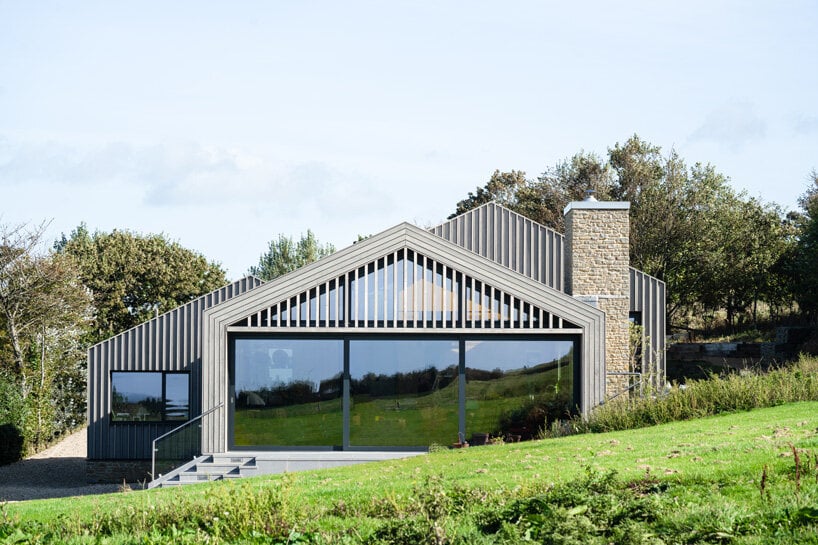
(211,468)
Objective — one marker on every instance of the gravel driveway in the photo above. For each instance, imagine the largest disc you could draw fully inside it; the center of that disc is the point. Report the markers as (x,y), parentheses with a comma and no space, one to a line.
(53,473)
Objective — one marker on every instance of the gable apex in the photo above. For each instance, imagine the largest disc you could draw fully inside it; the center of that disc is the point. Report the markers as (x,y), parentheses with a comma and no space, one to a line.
(404,236)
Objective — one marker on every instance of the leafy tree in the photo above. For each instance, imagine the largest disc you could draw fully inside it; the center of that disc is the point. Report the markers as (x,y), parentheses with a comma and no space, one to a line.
(135,277)
(545,199)
(806,256)
(713,247)
(43,312)
(501,187)
(284,255)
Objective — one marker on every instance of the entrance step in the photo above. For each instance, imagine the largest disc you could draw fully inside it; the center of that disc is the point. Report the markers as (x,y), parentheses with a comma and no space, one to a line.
(208,468)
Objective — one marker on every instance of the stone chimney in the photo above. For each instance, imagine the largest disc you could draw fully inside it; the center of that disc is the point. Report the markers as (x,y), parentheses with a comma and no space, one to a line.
(596,272)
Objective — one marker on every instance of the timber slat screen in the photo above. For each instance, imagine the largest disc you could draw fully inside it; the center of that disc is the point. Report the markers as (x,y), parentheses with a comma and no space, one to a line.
(404,289)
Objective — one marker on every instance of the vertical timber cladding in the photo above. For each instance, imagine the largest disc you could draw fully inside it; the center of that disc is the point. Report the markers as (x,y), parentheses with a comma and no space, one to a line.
(215,355)
(170,342)
(648,299)
(510,239)
(597,272)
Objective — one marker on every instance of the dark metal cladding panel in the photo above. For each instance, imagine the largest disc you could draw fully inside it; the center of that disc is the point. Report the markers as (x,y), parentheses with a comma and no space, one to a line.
(648,297)
(509,239)
(170,342)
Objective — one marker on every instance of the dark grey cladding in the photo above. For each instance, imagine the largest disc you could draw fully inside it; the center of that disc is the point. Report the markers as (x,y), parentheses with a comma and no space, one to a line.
(170,342)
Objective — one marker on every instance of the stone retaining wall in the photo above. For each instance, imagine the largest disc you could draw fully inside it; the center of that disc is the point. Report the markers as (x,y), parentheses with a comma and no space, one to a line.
(118,471)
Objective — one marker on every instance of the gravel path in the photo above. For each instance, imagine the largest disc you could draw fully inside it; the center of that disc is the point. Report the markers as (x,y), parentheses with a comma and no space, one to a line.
(56,472)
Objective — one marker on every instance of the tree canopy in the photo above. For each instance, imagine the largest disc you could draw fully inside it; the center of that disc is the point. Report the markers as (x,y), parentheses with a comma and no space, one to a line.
(805,257)
(44,310)
(134,277)
(716,249)
(285,255)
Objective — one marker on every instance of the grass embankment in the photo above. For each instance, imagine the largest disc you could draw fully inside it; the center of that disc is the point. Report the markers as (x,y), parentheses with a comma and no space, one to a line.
(700,398)
(693,481)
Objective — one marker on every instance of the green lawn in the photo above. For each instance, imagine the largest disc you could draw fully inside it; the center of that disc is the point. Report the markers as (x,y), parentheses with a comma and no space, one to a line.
(711,469)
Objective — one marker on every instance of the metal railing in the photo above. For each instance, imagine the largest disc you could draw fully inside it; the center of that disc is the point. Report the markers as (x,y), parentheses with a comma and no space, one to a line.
(179,445)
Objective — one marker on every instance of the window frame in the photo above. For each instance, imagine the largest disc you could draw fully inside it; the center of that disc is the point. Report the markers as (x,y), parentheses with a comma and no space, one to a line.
(163,416)
(347,337)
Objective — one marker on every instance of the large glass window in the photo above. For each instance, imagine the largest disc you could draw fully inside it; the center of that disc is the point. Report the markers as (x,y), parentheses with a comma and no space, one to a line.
(403,392)
(149,397)
(513,387)
(288,392)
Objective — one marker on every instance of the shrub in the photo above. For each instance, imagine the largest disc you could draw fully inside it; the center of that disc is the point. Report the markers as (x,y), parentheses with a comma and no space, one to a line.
(11,444)
(12,409)
(700,398)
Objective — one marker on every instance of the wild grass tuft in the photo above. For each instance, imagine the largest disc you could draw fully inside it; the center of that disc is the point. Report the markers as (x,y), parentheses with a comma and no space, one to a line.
(735,392)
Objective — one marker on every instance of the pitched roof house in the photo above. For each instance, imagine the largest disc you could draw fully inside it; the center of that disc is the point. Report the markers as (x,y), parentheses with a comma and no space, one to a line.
(484,326)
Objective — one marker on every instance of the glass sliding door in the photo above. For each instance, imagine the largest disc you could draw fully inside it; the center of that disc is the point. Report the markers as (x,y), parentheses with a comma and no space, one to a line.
(404,393)
(513,387)
(288,392)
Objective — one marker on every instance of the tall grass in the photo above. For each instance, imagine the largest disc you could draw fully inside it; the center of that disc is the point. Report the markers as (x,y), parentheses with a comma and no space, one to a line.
(699,398)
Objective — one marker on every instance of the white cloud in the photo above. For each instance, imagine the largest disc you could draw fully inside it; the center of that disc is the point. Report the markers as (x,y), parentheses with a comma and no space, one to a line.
(733,125)
(190,174)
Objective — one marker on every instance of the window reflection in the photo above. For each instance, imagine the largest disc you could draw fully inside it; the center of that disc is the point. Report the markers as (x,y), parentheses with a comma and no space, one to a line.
(288,392)
(177,397)
(404,393)
(514,387)
(149,396)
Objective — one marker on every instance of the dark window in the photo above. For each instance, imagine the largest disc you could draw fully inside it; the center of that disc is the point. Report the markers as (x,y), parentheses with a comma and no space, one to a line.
(150,397)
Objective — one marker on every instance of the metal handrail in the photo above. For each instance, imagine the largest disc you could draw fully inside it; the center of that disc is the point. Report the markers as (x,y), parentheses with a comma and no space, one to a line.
(174,430)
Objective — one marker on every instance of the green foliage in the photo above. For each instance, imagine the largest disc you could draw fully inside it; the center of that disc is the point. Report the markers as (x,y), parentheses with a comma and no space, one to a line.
(220,513)
(501,187)
(805,259)
(713,247)
(134,277)
(700,398)
(44,311)
(596,508)
(12,416)
(284,255)
(748,478)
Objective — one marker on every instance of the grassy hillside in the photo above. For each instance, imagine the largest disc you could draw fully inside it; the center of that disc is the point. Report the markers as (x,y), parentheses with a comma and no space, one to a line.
(747,477)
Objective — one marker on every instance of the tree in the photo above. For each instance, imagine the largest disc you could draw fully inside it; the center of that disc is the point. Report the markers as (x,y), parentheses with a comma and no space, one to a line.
(714,248)
(545,199)
(502,187)
(806,256)
(43,313)
(135,277)
(285,255)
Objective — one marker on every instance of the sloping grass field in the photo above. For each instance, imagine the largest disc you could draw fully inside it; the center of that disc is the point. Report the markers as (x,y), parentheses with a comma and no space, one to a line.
(747,475)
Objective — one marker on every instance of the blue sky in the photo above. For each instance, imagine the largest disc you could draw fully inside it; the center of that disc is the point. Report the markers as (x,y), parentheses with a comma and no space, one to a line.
(222,124)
